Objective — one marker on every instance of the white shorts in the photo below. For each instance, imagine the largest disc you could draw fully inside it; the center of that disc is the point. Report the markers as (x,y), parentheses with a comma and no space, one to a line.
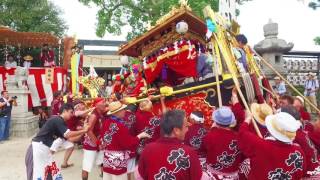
(42,159)
(91,158)
(60,142)
(107,176)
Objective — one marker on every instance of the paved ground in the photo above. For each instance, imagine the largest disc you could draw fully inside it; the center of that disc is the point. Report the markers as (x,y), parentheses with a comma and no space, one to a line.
(12,166)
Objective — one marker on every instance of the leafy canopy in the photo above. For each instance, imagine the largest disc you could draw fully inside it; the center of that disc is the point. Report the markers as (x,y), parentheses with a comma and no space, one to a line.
(32,16)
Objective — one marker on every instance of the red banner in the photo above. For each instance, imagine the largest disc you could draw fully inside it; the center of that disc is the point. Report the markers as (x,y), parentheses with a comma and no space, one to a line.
(181,58)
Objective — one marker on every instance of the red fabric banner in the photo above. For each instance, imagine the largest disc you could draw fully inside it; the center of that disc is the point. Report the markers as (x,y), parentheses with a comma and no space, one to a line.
(181,58)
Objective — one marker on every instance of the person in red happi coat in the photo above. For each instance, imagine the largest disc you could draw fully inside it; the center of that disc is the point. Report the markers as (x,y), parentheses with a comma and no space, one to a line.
(56,103)
(196,132)
(302,138)
(147,121)
(275,157)
(220,146)
(91,142)
(168,158)
(117,142)
(298,103)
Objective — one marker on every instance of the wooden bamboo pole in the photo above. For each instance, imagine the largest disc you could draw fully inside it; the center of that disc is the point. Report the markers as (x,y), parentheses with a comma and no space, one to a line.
(228,60)
(134,100)
(215,68)
(208,12)
(285,80)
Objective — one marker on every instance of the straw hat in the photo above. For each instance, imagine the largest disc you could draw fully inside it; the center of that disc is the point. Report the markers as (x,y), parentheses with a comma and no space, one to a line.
(224,116)
(116,107)
(311,74)
(260,112)
(300,99)
(282,126)
(277,78)
(28,58)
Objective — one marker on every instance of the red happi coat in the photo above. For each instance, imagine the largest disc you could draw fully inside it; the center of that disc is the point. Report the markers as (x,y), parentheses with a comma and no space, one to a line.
(304,115)
(149,123)
(73,123)
(119,145)
(88,144)
(313,133)
(271,159)
(222,154)
(168,158)
(129,121)
(302,138)
(263,130)
(194,136)
(55,106)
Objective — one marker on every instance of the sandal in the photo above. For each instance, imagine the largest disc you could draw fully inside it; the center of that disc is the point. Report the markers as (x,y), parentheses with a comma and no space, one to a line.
(66,166)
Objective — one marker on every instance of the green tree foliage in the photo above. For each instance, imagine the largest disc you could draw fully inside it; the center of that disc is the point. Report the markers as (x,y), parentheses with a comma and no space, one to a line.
(138,14)
(314,5)
(317,40)
(32,16)
(113,15)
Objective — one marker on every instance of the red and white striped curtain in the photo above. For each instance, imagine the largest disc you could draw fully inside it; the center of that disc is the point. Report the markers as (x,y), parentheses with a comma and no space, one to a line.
(41,91)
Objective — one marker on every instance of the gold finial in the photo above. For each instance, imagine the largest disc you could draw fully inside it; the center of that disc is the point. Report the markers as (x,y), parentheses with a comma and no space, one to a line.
(183,2)
(75,39)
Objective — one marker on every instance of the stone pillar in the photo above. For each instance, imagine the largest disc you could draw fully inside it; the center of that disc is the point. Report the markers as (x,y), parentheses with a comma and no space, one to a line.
(23,123)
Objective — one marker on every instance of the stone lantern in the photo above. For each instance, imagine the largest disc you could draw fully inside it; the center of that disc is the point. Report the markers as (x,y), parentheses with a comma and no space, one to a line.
(272,49)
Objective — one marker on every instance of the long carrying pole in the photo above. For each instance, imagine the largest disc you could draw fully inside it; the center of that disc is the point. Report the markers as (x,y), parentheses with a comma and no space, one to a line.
(215,67)
(134,100)
(285,80)
(208,12)
(228,60)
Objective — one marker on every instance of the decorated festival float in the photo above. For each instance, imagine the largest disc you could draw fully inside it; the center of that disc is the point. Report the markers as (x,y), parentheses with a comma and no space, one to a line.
(195,63)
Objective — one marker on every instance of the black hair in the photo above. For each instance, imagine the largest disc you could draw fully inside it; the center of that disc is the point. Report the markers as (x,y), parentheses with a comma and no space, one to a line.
(132,107)
(242,39)
(66,107)
(288,98)
(2,92)
(172,119)
(45,45)
(10,55)
(292,111)
(198,113)
(118,96)
(56,94)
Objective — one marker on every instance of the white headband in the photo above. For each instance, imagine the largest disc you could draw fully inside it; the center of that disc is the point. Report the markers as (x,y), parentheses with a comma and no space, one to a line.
(196,118)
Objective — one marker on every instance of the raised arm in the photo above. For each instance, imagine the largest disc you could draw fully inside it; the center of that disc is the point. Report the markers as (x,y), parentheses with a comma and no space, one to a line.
(163,104)
(248,142)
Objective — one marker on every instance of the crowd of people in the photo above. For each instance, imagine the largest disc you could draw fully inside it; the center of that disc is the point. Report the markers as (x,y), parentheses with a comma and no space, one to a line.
(127,141)
(46,58)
